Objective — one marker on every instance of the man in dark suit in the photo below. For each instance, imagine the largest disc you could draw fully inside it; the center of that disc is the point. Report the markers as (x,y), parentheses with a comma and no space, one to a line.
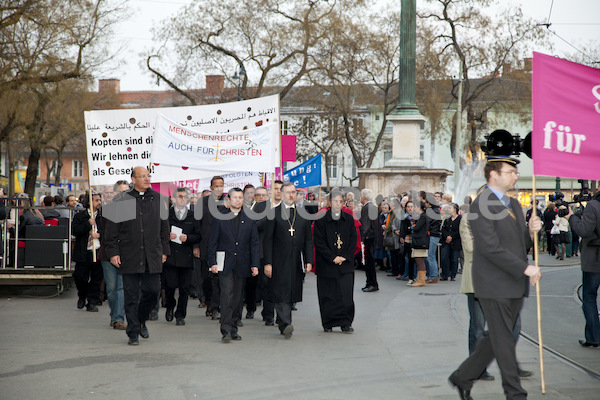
(211,205)
(287,245)
(236,235)
(501,276)
(369,228)
(138,244)
(177,272)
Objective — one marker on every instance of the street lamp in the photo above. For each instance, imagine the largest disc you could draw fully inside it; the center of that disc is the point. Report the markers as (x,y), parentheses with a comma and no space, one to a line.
(240,74)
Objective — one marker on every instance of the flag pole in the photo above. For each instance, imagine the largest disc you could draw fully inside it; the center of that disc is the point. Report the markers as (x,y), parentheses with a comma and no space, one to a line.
(537,287)
(92,216)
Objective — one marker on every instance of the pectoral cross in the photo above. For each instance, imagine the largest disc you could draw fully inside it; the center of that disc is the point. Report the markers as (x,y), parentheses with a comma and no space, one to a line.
(339,242)
(291,230)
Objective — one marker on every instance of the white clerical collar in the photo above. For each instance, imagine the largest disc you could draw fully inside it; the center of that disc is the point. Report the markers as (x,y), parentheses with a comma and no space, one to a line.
(336,214)
(187,206)
(275,205)
(288,207)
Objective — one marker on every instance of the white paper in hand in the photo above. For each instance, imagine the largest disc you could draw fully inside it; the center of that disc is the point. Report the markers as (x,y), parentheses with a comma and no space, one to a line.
(220,260)
(178,231)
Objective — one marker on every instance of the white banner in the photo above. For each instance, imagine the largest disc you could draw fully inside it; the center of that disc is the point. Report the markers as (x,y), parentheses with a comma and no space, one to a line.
(178,146)
(233,179)
(118,140)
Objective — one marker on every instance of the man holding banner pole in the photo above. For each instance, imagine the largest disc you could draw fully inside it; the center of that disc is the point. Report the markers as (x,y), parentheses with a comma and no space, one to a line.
(501,276)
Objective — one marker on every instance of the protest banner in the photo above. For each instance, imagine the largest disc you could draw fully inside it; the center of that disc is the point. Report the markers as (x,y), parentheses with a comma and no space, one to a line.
(566,118)
(178,146)
(118,140)
(306,174)
(231,180)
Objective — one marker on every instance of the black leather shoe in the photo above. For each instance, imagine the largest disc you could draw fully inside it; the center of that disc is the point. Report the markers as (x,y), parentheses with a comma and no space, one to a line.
(180,321)
(462,393)
(524,374)
(486,376)
(144,331)
(294,308)
(269,322)
(169,314)
(153,316)
(287,331)
(327,330)
(235,336)
(133,340)
(348,329)
(370,289)
(250,315)
(585,343)
(80,303)
(226,338)
(216,315)
(239,323)
(91,308)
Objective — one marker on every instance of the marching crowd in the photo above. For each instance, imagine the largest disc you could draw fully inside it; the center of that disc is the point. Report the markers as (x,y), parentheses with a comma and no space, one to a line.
(253,246)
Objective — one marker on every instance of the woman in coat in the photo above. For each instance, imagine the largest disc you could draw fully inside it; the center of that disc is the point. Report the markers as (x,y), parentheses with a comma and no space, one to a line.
(420,242)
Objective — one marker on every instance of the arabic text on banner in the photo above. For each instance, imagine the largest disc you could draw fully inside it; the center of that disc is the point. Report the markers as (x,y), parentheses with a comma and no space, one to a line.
(118,140)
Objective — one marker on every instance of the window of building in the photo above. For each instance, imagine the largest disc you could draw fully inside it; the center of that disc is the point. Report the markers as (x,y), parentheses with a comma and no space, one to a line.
(332,169)
(387,153)
(354,168)
(53,169)
(77,169)
(422,151)
(284,127)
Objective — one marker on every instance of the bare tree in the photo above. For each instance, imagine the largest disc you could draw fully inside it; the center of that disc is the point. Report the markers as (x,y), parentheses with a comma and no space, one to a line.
(482,38)
(46,42)
(273,39)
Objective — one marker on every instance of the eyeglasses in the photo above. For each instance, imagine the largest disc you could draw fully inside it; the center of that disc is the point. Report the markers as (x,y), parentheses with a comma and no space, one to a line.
(510,172)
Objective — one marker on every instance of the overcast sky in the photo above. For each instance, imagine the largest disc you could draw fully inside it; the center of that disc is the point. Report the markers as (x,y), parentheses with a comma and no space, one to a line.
(575,21)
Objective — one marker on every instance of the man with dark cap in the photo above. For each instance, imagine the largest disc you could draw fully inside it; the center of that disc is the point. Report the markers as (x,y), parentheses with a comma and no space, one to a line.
(501,276)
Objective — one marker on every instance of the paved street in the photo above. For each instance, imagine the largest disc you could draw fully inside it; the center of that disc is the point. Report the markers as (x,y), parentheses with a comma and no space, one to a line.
(407,341)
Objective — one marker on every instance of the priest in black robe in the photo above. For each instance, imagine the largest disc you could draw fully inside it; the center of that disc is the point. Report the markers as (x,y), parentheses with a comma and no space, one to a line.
(287,246)
(335,242)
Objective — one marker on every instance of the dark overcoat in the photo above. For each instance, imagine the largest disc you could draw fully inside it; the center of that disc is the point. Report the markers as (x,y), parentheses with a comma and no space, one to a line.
(284,252)
(326,230)
(209,207)
(141,239)
(81,230)
(241,248)
(182,254)
(501,240)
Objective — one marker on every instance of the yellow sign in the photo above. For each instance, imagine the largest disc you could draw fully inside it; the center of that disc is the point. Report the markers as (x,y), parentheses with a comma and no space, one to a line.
(20,175)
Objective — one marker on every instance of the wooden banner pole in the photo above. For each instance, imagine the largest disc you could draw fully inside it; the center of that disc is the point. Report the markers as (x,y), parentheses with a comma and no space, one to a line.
(537,288)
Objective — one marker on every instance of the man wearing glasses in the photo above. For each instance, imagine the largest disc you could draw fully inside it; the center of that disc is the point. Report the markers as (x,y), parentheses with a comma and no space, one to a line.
(177,272)
(501,276)
(137,243)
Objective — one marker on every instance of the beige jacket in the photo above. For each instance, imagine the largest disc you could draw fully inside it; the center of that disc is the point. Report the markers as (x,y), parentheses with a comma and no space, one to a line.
(466,236)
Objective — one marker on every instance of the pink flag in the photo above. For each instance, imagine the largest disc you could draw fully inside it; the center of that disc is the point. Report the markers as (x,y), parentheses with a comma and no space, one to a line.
(288,148)
(566,119)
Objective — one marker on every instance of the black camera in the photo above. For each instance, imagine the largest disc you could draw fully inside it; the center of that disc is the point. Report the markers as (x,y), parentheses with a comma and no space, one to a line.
(584,194)
(557,199)
(502,143)
(562,212)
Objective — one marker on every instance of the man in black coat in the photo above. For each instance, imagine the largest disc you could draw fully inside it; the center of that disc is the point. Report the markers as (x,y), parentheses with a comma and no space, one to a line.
(369,229)
(137,242)
(261,212)
(177,271)
(335,242)
(88,273)
(211,206)
(287,244)
(236,235)
(501,276)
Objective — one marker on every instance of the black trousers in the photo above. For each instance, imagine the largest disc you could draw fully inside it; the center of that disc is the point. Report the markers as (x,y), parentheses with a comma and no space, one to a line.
(141,294)
(370,271)
(231,295)
(177,278)
(499,343)
(284,315)
(250,292)
(196,282)
(88,278)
